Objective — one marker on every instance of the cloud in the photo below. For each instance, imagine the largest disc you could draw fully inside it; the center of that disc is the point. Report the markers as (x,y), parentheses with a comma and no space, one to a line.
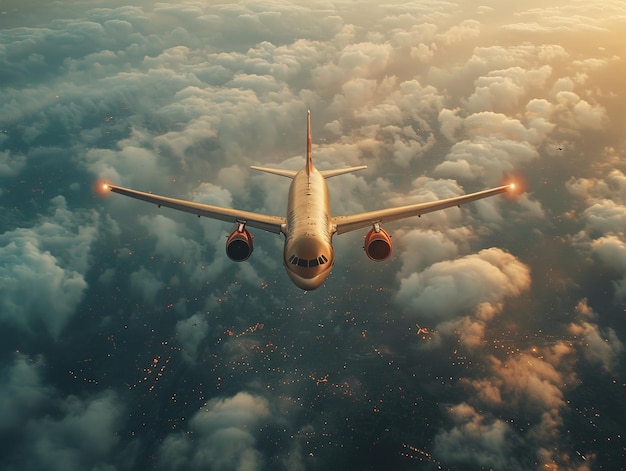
(568,18)
(502,90)
(190,334)
(578,113)
(170,240)
(223,437)
(477,440)
(599,345)
(604,220)
(49,430)
(449,288)
(147,284)
(437,98)
(605,217)
(422,248)
(11,165)
(23,393)
(534,381)
(51,259)
(83,435)
(613,187)
(531,380)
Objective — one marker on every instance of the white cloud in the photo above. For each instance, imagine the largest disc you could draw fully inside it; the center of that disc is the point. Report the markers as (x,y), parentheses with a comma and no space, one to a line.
(422,248)
(578,113)
(449,288)
(502,90)
(571,17)
(489,159)
(605,217)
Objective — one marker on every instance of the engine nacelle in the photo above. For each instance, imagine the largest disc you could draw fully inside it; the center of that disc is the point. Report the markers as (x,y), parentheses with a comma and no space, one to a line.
(377,244)
(239,245)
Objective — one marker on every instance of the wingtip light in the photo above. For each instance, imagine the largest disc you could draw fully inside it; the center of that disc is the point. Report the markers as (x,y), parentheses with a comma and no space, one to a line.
(512,186)
(101,188)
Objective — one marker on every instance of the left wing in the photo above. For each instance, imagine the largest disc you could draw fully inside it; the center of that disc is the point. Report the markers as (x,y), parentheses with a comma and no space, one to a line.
(260,221)
(344,224)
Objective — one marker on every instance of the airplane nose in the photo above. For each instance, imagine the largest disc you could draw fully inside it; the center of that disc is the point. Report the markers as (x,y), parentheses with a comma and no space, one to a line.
(308,284)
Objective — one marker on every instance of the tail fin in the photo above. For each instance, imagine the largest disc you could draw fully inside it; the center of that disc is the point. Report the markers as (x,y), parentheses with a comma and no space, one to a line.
(309,159)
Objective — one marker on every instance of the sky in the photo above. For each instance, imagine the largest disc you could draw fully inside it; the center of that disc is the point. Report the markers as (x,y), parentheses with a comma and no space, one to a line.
(492,339)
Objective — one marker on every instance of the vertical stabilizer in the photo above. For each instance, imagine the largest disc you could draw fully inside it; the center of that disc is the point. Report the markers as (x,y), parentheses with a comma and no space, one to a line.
(309,160)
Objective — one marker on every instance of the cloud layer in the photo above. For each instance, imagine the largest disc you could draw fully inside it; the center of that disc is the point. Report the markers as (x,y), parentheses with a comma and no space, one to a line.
(493,338)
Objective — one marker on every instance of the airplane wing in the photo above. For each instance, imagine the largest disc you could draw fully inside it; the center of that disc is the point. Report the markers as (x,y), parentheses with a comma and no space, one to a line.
(273,224)
(358,221)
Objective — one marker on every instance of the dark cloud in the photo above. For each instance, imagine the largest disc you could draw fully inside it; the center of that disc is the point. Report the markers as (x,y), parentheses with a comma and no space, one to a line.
(85,435)
(50,258)
(47,430)
(23,391)
(223,437)
(599,345)
(476,440)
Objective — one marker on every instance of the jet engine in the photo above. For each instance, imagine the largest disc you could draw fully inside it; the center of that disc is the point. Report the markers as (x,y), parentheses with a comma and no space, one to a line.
(239,244)
(377,244)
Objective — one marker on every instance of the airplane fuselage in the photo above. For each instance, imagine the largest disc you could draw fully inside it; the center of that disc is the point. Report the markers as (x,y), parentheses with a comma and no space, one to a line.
(308,254)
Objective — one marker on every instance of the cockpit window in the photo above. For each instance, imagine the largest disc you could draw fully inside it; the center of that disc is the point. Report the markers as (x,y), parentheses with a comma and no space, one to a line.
(308,263)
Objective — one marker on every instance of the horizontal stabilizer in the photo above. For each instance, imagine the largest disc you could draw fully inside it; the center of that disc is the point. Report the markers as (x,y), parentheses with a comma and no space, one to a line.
(341,171)
(276,171)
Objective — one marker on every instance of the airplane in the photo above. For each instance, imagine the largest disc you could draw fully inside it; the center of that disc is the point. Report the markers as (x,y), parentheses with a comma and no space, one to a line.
(308,227)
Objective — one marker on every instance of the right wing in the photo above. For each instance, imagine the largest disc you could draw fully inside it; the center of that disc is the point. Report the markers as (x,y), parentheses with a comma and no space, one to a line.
(273,224)
(344,224)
